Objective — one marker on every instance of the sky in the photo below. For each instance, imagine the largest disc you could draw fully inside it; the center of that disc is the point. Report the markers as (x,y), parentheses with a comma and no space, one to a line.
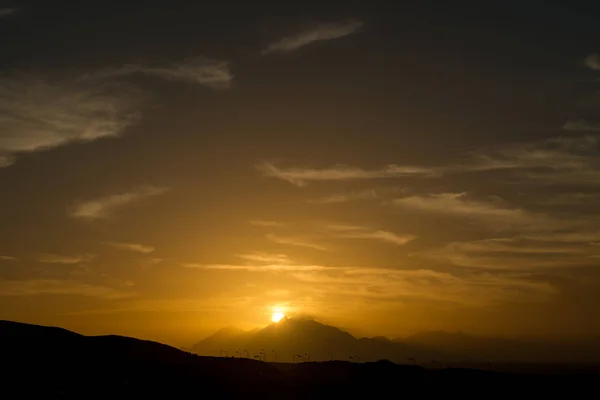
(172,168)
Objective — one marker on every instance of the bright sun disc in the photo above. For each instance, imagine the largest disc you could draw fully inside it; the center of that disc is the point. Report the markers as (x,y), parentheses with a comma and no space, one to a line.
(277,317)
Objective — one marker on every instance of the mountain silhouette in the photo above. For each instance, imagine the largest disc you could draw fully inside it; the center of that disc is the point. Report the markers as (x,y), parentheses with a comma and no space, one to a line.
(296,339)
(50,362)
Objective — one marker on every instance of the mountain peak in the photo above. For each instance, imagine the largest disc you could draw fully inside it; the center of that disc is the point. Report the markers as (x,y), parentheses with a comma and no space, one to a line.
(296,339)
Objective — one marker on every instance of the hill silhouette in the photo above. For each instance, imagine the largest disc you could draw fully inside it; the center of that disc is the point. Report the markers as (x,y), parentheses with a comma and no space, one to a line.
(52,362)
(485,349)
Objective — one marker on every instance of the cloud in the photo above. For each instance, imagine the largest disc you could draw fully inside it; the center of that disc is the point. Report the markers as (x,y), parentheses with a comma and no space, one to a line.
(475,289)
(577,198)
(324,31)
(5,12)
(523,253)
(360,232)
(135,247)
(295,241)
(266,258)
(38,114)
(214,74)
(256,268)
(457,204)
(556,154)
(7,258)
(578,237)
(559,160)
(267,224)
(388,284)
(41,287)
(278,293)
(104,207)
(592,61)
(61,259)
(581,125)
(369,194)
(301,176)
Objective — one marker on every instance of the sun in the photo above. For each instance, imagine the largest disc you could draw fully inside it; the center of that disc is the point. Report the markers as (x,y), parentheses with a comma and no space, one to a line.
(277,316)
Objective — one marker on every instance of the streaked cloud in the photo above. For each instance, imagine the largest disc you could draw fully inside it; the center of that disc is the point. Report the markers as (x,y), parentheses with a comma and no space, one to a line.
(320,32)
(525,253)
(458,204)
(558,160)
(8,258)
(256,268)
(301,176)
(135,247)
(214,74)
(575,237)
(576,198)
(278,293)
(266,258)
(357,195)
(105,207)
(38,114)
(475,289)
(266,224)
(62,259)
(295,241)
(581,125)
(561,153)
(360,232)
(41,287)
(5,12)
(592,61)
(389,284)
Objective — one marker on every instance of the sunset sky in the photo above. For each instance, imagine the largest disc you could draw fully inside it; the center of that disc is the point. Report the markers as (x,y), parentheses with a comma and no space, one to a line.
(171,168)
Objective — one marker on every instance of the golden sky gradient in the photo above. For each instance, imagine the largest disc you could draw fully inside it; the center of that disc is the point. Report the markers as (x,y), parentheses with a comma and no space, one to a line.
(196,167)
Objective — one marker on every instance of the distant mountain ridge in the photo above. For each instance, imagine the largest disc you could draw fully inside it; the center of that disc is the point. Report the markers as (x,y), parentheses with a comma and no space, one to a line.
(487,349)
(305,339)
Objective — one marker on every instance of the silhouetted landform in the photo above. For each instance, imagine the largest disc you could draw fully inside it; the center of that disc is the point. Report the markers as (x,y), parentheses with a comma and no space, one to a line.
(50,362)
(466,347)
(293,339)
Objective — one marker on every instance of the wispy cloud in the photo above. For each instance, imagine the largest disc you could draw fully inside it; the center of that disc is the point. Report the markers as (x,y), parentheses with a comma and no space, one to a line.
(458,204)
(357,195)
(592,61)
(575,237)
(301,176)
(135,247)
(389,284)
(360,232)
(8,258)
(214,74)
(41,287)
(295,241)
(526,253)
(475,289)
(256,268)
(104,207)
(558,160)
(62,259)
(38,114)
(5,12)
(581,125)
(266,258)
(576,198)
(266,224)
(320,32)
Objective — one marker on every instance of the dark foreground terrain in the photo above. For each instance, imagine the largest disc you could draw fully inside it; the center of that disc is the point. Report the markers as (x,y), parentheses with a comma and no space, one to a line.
(52,362)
